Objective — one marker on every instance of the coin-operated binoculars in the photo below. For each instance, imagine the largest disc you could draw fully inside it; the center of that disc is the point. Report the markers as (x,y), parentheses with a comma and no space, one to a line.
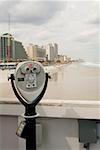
(29,84)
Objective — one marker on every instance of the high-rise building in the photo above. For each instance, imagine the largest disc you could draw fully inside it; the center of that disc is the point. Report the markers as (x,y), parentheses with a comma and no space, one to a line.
(55,50)
(52,51)
(6,45)
(20,52)
(36,52)
(30,51)
(11,49)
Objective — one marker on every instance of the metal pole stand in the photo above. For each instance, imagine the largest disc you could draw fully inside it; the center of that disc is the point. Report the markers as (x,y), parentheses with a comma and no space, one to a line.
(27,128)
(30,116)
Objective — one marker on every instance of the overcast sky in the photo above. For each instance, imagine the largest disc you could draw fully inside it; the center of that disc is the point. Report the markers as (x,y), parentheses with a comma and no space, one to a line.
(74,25)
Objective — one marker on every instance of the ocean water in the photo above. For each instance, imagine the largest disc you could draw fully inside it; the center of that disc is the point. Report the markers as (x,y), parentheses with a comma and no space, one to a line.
(76,81)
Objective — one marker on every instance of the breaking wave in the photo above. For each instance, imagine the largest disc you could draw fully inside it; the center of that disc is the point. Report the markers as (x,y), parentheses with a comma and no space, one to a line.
(90,64)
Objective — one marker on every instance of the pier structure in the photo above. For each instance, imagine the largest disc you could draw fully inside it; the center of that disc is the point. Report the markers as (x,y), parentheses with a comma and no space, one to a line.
(57,125)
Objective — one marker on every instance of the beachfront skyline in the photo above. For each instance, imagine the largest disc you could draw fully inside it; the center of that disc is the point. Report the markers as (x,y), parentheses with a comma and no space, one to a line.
(74,25)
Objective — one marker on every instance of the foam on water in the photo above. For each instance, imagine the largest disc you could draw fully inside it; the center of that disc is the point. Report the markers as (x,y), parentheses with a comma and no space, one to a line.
(90,64)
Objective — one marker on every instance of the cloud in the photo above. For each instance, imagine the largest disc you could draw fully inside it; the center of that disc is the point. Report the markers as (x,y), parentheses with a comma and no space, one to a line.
(5,7)
(94,20)
(88,36)
(30,12)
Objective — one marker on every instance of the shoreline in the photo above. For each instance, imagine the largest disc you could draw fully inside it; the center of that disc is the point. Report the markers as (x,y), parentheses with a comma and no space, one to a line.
(68,82)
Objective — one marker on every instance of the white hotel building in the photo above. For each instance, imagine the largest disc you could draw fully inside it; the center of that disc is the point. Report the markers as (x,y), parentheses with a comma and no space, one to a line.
(49,51)
(36,52)
(52,51)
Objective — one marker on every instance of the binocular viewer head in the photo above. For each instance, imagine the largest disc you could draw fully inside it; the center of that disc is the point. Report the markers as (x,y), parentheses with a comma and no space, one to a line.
(30,79)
